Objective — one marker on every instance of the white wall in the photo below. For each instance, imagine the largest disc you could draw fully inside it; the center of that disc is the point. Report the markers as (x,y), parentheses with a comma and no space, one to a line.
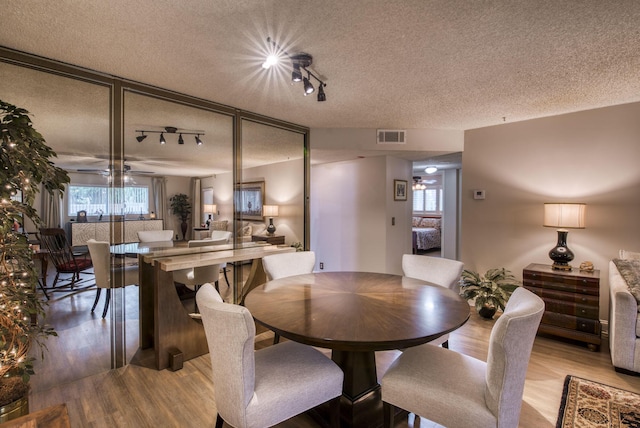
(351,210)
(591,157)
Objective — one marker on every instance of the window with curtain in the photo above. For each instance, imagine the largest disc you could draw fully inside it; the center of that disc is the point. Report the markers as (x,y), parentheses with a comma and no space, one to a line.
(97,200)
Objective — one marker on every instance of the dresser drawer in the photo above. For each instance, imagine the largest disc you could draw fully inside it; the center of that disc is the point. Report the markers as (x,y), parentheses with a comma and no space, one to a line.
(570,308)
(567,284)
(583,299)
(571,322)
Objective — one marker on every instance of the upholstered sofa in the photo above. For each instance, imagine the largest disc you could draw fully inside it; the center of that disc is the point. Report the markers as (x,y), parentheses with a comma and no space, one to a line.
(245,230)
(624,318)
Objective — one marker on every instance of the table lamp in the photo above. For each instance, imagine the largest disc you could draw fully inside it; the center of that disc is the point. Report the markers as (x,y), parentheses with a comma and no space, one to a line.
(270,211)
(563,216)
(210,209)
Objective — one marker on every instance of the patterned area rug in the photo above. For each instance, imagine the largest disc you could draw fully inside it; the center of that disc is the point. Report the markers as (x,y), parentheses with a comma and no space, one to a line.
(587,404)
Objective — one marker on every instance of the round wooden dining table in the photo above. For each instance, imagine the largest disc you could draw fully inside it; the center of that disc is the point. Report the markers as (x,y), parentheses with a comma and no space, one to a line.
(355,314)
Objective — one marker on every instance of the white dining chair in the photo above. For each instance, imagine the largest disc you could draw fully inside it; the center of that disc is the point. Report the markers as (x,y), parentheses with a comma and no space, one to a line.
(262,388)
(459,391)
(278,266)
(194,277)
(436,270)
(109,272)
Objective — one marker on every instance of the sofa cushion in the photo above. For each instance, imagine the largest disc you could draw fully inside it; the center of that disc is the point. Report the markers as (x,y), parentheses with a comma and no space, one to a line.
(219,225)
(630,271)
(629,255)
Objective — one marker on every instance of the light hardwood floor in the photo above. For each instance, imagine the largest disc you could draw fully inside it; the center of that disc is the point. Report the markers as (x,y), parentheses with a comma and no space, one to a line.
(75,372)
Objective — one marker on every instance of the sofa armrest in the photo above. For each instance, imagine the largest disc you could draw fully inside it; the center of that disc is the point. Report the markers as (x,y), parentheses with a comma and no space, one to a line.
(623,316)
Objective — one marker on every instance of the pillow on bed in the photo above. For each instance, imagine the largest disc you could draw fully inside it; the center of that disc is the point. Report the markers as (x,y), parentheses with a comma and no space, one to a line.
(219,225)
(244,231)
(628,255)
(415,221)
(430,222)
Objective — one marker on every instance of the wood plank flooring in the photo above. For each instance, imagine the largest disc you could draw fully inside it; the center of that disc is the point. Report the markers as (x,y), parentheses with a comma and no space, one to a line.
(75,371)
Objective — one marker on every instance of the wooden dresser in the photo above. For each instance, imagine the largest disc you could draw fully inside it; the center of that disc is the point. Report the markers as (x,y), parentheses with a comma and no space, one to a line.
(572,302)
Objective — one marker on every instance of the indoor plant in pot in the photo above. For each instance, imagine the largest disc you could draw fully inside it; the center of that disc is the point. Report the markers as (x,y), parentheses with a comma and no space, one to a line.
(181,207)
(25,165)
(491,291)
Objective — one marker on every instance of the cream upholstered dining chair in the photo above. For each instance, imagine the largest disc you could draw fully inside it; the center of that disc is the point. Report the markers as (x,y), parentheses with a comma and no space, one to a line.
(456,390)
(288,264)
(194,277)
(155,235)
(436,270)
(109,274)
(278,266)
(265,387)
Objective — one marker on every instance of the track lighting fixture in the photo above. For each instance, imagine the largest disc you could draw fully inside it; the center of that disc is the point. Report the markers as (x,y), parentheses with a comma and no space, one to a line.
(171,130)
(300,62)
(140,138)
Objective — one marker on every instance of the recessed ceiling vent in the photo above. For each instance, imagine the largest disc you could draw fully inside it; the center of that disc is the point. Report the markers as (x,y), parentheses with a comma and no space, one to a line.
(392,136)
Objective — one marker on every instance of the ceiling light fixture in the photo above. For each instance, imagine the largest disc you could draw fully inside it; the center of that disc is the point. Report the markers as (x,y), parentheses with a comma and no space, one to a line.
(171,130)
(300,62)
(430,169)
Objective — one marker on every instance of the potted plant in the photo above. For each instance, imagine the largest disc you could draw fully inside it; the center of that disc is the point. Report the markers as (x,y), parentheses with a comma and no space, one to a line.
(491,291)
(181,207)
(25,166)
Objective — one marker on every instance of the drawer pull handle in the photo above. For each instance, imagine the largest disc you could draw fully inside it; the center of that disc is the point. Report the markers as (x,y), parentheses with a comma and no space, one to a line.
(583,311)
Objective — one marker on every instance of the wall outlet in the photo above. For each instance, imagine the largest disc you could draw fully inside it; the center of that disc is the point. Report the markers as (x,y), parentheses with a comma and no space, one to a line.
(321,265)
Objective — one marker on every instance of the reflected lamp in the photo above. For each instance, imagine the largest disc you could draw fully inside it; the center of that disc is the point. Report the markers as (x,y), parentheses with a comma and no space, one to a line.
(270,211)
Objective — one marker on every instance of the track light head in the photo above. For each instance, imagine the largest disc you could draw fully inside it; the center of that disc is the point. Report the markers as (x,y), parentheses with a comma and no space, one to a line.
(162,140)
(321,95)
(198,140)
(296,75)
(308,87)
(180,140)
(140,138)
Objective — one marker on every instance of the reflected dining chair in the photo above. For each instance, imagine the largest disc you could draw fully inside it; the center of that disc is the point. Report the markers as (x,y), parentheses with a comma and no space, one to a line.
(265,387)
(63,257)
(192,278)
(109,274)
(436,270)
(278,266)
(155,235)
(456,390)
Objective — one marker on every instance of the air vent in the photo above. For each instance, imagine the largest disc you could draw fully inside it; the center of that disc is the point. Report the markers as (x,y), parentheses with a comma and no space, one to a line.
(391,136)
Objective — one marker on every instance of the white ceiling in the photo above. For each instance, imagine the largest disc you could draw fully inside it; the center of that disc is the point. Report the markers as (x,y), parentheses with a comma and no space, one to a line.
(456,64)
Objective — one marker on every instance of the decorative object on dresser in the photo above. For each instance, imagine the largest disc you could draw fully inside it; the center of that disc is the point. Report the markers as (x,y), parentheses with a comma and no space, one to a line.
(270,211)
(491,291)
(210,210)
(624,318)
(563,216)
(572,302)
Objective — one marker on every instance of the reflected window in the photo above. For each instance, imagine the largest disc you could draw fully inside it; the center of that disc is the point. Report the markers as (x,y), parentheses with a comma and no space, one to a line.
(104,200)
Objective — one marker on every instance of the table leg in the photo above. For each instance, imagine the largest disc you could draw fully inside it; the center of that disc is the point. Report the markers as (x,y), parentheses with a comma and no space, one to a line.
(361,402)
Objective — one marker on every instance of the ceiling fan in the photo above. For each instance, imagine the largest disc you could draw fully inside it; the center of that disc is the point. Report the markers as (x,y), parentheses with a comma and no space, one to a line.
(108,171)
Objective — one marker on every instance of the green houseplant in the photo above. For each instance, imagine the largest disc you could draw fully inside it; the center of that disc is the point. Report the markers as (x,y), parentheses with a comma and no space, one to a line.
(25,160)
(491,291)
(181,207)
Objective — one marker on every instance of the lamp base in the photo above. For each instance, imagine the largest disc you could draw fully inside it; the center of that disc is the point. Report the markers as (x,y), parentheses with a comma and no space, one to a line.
(271,229)
(561,254)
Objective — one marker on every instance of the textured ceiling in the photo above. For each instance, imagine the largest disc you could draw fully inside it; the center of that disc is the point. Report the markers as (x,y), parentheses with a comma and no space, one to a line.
(388,64)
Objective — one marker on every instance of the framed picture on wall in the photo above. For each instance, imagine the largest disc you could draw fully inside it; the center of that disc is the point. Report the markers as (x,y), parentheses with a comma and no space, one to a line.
(249,200)
(399,190)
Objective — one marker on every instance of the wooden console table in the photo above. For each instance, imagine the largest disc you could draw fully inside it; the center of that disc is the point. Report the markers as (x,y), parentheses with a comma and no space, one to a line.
(165,325)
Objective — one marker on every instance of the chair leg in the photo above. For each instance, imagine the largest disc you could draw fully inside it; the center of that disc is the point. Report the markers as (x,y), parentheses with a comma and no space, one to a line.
(445,344)
(276,338)
(334,412)
(95,303)
(219,421)
(55,280)
(216,285)
(225,277)
(389,412)
(106,303)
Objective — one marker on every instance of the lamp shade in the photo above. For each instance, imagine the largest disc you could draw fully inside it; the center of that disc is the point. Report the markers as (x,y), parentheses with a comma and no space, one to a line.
(270,210)
(565,216)
(210,208)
